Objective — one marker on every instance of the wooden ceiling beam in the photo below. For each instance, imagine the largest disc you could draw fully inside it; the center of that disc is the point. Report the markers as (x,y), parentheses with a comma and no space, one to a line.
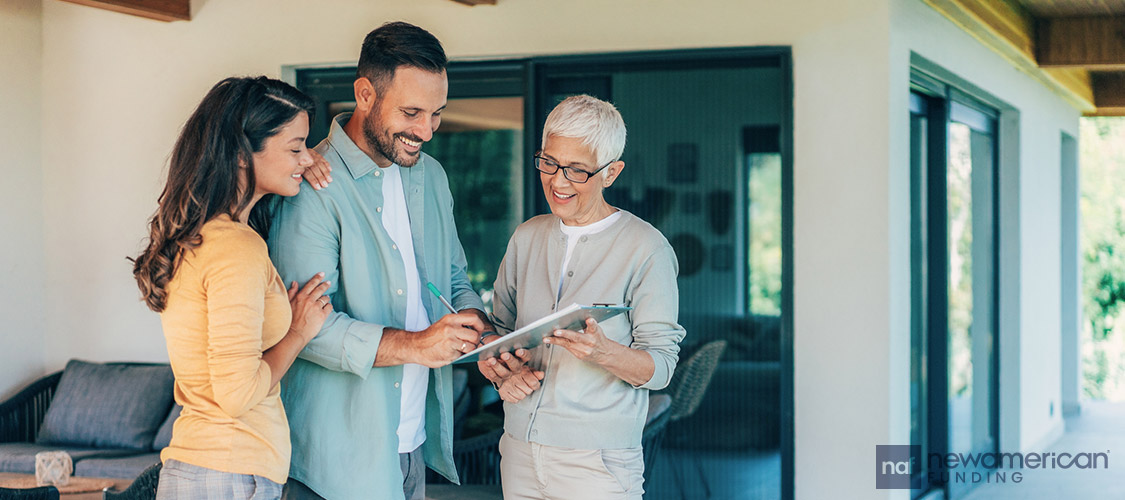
(1007,28)
(160,10)
(1109,93)
(1094,43)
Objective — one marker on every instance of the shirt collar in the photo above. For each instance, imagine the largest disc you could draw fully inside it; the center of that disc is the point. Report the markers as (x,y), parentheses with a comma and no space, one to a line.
(357,162)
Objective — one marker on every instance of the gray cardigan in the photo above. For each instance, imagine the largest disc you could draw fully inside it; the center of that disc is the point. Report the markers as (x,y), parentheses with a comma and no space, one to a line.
(581,405)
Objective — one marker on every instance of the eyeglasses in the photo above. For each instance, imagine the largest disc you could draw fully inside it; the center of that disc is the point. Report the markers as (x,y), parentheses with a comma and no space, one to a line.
(572,174)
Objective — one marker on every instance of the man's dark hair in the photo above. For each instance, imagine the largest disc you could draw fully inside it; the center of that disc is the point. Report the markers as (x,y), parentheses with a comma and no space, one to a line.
(398,44)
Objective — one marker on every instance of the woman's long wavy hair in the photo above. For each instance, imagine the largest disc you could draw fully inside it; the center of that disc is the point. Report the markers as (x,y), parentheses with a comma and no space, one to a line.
(205,174)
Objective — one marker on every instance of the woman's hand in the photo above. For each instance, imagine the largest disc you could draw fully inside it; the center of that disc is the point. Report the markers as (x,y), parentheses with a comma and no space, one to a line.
(498,368)
(590,344)
(520,384)
(318,174)
(310,307)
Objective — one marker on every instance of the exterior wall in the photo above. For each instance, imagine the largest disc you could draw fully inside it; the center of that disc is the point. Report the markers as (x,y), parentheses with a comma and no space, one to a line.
(1030,142)
(21,195)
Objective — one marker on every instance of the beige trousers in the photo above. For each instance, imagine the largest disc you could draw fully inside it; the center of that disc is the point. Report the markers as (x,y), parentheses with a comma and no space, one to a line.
(535,471)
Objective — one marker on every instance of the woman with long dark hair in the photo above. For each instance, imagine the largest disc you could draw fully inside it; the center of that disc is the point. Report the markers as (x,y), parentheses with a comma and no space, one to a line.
(231,326)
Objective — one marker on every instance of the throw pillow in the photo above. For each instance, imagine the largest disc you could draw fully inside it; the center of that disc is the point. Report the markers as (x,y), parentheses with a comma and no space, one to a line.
(108,405)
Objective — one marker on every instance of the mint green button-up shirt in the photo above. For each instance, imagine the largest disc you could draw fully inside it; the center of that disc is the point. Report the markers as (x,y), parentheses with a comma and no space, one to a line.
(343,413)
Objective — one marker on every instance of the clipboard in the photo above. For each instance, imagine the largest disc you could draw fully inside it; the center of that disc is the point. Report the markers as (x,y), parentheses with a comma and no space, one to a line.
(572,317)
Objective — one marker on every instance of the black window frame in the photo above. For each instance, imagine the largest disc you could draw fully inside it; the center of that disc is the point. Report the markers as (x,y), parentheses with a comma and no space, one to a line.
(943,100)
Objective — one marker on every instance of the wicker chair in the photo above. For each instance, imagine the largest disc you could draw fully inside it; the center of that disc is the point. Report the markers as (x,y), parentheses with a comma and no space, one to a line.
(21,416)
(689,382)
(143,487)
(40,493)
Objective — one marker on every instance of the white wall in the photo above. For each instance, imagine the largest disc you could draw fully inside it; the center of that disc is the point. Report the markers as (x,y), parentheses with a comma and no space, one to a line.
(1029,352)
(21,196)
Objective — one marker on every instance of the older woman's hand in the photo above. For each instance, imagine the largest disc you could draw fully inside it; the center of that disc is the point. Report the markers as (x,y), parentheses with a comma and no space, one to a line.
(590,344)
(498,368)
(520,384)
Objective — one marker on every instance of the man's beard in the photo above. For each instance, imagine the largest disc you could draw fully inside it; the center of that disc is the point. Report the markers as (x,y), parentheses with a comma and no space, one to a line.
(385,144)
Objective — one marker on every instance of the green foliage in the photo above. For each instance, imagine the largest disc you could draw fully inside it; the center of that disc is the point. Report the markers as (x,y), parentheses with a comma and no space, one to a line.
(765,234)
(959,185)
(1103,256)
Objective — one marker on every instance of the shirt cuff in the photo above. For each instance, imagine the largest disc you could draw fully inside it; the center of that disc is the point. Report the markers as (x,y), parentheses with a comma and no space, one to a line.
(361,345)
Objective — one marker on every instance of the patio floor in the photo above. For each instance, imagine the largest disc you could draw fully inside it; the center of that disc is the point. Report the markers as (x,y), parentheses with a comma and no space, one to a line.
(1099,428)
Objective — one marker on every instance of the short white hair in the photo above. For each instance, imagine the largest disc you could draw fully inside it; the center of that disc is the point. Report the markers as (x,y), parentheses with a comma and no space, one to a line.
(593,120)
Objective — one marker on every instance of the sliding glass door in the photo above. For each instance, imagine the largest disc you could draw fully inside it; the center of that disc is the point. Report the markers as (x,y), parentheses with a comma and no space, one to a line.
(954,395)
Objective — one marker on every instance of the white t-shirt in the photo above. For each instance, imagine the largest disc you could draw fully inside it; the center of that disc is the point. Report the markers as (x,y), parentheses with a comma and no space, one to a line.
(574,234)
(415,378)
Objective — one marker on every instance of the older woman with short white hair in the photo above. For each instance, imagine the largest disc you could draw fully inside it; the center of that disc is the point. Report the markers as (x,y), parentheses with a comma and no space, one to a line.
(574,413)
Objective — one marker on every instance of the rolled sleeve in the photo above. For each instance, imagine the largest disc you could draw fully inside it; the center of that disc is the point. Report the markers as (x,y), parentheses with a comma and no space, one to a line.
(304,240)
(655,301)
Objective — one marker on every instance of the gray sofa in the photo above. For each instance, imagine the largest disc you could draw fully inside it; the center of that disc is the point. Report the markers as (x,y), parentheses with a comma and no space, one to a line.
(112,418)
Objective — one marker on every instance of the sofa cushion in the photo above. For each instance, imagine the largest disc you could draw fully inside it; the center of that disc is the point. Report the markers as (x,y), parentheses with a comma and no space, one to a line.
(20,457)
(119,468)
(108,406)
(164,435)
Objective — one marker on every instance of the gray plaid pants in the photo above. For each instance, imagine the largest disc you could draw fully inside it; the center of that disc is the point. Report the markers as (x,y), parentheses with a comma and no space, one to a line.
(188,482)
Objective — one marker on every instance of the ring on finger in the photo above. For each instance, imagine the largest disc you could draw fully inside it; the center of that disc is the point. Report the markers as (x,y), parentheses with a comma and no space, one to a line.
(323,301)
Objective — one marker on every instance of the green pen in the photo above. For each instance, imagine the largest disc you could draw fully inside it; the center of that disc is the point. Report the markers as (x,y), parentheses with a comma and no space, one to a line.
(442,299)
(454,311)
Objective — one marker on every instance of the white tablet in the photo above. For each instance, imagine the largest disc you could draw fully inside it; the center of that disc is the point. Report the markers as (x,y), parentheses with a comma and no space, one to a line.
(572,317)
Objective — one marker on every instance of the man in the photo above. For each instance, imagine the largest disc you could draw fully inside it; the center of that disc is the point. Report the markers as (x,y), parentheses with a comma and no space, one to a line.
(370,398)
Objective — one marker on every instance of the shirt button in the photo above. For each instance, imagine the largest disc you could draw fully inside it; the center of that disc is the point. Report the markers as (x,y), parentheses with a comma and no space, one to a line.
(378,173)
(534,433)
(582,238)
(394,247)
(400,291)
(378,209)
(396,385)
(570,273)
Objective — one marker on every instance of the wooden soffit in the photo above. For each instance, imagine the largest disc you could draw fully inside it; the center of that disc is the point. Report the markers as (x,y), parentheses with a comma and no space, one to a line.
(160,10)
(1009,29)
(1093,43)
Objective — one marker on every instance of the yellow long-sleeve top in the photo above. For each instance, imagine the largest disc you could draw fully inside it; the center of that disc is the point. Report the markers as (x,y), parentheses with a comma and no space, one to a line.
(226,305)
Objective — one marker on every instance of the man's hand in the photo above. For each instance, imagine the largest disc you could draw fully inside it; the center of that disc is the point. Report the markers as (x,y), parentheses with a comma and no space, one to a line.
(318,174)
(487,328)
(446,340)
